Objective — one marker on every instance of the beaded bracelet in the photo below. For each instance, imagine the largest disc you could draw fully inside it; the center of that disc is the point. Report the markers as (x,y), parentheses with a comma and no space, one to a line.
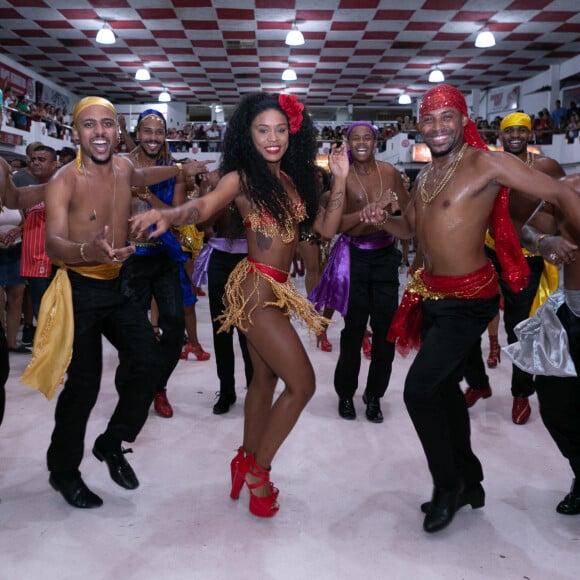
(383,221)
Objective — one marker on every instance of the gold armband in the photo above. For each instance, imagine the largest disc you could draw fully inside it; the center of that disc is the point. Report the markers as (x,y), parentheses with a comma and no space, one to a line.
(538,240)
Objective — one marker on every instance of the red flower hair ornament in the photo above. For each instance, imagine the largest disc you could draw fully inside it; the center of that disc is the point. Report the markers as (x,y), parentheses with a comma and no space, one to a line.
(293,109)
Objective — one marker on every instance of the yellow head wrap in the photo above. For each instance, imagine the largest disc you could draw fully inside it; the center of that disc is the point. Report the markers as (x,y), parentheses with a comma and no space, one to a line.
(81,106)
(516,120)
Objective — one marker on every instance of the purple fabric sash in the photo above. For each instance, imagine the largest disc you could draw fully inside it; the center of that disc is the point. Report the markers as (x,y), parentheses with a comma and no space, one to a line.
(228,245)
(332,290)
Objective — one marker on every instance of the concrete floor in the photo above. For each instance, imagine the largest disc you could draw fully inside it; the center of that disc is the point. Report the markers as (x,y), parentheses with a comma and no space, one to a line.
(350,492)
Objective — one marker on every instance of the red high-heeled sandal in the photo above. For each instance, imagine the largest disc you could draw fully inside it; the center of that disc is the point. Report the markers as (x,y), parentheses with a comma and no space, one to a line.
(366,344)
(196,350)
(239,468)
(494,352)
(322,342)
(262,507)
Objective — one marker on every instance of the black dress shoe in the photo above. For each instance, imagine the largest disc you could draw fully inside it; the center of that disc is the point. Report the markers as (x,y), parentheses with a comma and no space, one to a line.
(121,472)
(570,505)
(75,492)
(473,495)
(346,409)
(373,412)
(223,404)
(442,508)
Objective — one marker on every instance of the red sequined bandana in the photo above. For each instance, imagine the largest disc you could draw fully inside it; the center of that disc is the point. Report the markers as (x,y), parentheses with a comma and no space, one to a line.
(443,96)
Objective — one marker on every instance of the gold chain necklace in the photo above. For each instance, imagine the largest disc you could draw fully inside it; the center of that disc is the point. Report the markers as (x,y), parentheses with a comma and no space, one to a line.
(94,213)
(363,187)
(429,197)
(530,158)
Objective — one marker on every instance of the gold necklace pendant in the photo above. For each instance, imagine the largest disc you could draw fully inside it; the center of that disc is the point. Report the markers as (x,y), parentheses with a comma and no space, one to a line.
(363,187)
(426,197)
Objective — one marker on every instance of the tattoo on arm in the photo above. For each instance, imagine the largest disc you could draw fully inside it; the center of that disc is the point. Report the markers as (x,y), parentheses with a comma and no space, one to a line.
(264,242)
(335,201)
(192,216)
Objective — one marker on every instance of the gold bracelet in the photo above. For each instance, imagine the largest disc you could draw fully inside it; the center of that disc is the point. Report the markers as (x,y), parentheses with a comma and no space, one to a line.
(538,240)
(383,221)
(82,248)
(179,166)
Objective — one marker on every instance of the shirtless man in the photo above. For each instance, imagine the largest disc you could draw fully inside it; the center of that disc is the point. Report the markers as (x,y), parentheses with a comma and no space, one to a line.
(368,285)
(559,396)
(515,133)
(88,204)
(449,303)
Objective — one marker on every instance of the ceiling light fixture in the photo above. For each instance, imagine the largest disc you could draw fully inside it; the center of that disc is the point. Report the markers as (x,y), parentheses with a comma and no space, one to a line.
(289,74)
(106,35)
(404,99)
(436,75)
(142,74)
(164,96)
(294,36)
(485,39)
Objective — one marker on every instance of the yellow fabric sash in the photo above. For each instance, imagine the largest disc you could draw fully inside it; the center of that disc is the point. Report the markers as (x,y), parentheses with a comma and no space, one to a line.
(548,280)
(53,339)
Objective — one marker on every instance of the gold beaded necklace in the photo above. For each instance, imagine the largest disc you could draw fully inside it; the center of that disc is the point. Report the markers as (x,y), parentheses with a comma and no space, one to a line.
(363,187)
(429,197)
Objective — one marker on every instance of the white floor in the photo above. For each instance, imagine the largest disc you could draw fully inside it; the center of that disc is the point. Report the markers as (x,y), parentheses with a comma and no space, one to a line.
(350,492)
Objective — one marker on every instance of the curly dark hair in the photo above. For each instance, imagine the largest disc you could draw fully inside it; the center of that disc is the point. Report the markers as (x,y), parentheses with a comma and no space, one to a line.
(258,182)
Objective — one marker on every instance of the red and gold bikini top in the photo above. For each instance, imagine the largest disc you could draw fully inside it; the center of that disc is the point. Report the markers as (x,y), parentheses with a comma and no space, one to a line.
(264,223)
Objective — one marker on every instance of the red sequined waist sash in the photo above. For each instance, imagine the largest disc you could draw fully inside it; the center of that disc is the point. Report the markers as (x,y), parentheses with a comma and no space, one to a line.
(405,329)
(479,284)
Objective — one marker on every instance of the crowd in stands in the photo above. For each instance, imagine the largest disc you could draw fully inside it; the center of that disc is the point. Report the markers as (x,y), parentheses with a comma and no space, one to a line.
(19,112)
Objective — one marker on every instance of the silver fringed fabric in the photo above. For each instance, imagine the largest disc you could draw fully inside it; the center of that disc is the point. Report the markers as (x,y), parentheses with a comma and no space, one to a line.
(542,347)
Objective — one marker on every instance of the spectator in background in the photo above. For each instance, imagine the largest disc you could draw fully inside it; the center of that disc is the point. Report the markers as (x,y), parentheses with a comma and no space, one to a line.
(213,134)
(543,128)
(572,127)
(35,265)
(201,138)
(572,110)
(559,115)
(11,283)
(17,164)
(20,116)
(66,155)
